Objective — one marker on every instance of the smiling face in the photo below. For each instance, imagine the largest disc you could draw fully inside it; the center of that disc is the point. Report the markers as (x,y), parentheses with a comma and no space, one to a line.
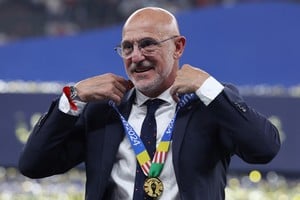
(152,72)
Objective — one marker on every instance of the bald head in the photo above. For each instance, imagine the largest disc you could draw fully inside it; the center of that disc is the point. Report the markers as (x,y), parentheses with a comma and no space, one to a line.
(160,21)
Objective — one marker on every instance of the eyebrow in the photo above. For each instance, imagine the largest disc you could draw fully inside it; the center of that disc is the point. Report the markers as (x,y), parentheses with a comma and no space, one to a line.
(138,40)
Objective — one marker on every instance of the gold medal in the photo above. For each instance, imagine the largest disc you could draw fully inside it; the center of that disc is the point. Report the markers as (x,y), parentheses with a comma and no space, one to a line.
(153,187)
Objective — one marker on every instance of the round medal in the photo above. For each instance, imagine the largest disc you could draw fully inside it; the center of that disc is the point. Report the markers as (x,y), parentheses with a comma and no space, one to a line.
(153,187)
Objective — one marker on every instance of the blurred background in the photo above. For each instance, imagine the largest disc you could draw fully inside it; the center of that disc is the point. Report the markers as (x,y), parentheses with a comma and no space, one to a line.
(46,44)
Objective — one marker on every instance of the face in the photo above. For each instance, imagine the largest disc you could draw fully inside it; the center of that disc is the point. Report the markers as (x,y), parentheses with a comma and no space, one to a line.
(151,73)
(151,68)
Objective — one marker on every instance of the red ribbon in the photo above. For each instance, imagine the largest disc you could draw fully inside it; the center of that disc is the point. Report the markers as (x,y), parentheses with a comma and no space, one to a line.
(67,92)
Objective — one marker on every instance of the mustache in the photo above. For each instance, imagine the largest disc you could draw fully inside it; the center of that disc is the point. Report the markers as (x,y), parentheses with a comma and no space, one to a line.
(142,64)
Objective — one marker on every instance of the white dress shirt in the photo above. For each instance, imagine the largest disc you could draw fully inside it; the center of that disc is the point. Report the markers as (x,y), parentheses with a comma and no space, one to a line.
(123,172)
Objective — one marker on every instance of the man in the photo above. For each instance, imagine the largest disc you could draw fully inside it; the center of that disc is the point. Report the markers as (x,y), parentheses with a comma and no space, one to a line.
(99,120)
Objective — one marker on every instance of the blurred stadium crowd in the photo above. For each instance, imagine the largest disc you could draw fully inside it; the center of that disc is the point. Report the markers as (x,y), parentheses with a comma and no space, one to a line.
(29,18)
(70,186)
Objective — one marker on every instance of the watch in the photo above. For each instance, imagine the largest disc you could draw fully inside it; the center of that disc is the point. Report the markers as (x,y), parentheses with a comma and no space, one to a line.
(73,93)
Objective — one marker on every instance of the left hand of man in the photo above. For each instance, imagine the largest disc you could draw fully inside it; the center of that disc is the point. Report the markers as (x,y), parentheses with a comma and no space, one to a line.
(188,80)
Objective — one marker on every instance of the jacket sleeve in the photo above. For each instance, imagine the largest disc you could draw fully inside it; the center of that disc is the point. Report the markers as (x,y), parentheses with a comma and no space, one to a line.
(244,131)
(55,145)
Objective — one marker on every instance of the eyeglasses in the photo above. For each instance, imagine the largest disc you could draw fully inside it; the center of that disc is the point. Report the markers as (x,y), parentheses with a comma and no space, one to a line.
(146,45)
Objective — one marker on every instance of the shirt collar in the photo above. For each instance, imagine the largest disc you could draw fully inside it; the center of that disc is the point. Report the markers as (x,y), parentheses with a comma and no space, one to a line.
(141,98)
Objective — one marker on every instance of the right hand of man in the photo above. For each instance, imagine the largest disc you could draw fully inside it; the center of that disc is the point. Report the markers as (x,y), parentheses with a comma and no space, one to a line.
(103,87)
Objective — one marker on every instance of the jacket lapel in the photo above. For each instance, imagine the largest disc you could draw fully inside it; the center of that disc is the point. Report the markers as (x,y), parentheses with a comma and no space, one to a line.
(179,131)
(114,131)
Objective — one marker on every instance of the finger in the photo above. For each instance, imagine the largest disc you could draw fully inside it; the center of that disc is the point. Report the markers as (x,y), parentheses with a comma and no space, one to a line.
(110,92)
(120,87)
(115,98)
(111,85)
(126,83)
(174,93)
(130,84)
(123,81)
(176,98)
(173,90)
(107,86)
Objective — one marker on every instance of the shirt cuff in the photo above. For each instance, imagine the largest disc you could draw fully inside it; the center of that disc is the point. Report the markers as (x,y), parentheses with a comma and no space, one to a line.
(209,90)
(65,106)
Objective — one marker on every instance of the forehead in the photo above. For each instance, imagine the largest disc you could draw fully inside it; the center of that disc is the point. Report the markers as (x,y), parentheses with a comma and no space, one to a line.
(137,31)
(149,22)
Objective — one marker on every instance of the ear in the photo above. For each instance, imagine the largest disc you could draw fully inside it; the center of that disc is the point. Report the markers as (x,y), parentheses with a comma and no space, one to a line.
(179,47)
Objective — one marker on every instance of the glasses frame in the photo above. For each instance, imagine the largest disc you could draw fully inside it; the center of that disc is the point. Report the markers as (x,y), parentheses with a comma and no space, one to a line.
(118,48)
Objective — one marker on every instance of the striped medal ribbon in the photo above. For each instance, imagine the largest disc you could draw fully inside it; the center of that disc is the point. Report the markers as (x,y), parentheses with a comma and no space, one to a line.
(154,168)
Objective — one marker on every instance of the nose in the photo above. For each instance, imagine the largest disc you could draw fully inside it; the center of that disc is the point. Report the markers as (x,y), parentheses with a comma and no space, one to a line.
(137,54)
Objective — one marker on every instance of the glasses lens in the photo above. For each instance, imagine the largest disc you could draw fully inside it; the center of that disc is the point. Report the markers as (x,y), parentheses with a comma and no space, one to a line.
(126,48)
(147,42)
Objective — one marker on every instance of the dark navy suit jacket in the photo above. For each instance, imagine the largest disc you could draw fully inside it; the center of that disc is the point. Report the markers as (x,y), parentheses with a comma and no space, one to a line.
(204,139)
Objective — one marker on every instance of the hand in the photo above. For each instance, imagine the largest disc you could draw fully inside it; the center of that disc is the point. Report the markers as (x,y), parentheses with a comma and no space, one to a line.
(103,87)
(188,80)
